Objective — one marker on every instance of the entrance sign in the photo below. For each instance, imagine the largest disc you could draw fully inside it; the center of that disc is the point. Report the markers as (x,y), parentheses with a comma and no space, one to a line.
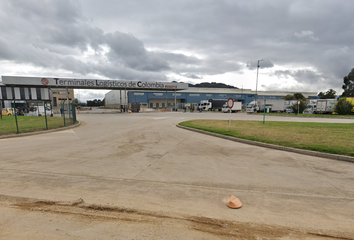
(91,83)
(230,103)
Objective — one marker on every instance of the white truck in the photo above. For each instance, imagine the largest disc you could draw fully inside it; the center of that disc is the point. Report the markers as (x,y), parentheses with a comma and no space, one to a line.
(311,109)
(212,104)
(235,108)
(288,104)
(325,105)
(39,111)
(271,105)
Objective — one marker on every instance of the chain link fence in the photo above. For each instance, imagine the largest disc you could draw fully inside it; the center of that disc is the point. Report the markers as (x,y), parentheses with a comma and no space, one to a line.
(21,119)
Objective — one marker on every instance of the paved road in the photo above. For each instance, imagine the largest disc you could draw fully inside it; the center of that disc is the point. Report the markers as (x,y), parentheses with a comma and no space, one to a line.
(142,169)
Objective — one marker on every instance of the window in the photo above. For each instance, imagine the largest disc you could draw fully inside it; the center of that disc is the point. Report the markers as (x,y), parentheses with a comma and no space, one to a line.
(177,94)
(157,94)
(250,96)
(138,94)
(55,103)
(3,93)
(22,93)
(39,95)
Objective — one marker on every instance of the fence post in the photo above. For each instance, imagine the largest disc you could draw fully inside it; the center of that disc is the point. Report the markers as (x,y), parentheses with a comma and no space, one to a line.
(45,114)
(73,112)
(63,112)
(16,116)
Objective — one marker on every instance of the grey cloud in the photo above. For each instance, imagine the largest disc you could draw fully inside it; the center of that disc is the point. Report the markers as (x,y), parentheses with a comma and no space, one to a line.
(65,34)
(310,79)
(131,52)
(265,63)
(179,58)
(191,76)
(306,34)
(301,76)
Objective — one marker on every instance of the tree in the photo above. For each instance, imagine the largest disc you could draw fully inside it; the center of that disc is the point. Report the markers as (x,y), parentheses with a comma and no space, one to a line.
(76,102)
(348,86)
(343,107)
(302,107)
(330,94)
(299,96)
(289,97)
(95,103)
(296,96)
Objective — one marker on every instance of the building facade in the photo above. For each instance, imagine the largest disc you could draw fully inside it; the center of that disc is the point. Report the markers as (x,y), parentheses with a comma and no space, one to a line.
(192,97)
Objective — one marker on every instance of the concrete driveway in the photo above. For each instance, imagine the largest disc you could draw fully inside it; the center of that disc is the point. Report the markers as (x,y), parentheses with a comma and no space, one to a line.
(126,176)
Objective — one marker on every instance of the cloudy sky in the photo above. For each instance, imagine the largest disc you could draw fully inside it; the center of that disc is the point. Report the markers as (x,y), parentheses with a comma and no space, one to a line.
(305,45)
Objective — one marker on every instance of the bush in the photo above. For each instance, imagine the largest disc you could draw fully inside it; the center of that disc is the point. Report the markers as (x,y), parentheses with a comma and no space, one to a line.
(303,106)
(343,107)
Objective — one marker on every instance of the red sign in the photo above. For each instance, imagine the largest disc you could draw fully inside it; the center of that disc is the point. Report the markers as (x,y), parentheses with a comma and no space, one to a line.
(44,81)
(230,103)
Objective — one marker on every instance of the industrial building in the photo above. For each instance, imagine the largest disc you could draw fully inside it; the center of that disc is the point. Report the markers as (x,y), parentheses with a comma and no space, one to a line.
(189,97)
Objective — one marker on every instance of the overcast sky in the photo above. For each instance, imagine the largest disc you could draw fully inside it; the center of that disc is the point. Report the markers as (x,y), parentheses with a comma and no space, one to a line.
(305,45)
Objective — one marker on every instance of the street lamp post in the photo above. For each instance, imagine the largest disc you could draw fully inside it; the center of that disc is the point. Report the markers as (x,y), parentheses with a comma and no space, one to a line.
(255,97)
(257,75)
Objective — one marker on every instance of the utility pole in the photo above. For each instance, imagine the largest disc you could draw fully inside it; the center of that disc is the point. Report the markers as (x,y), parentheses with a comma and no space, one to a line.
(255,97)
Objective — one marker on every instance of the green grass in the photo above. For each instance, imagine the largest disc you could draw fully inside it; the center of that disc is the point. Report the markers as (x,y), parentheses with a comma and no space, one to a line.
(308,115)
(29,124)
(335,138)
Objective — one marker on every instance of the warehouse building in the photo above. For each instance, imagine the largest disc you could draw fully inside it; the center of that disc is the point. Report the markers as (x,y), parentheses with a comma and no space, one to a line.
(190,97)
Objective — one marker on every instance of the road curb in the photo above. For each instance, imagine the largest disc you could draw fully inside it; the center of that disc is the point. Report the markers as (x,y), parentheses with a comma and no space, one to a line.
(305,116)
(272,146)
(39,132)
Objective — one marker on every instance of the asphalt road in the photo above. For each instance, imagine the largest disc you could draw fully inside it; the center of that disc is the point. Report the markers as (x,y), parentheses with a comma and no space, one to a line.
(138,176)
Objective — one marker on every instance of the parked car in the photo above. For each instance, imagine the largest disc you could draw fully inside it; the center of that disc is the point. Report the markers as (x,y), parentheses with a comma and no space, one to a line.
(8,112)
(289,110)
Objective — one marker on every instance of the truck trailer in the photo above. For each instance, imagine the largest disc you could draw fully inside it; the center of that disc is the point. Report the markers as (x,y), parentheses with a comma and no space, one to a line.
(325,105)
(273,105)
(235,108)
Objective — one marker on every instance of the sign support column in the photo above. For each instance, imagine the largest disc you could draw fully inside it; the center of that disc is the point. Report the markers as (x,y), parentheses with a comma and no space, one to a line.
(230,104)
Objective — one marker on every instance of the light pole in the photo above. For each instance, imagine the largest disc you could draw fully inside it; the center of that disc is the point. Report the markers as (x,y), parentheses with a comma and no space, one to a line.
(257,75)
(255,96)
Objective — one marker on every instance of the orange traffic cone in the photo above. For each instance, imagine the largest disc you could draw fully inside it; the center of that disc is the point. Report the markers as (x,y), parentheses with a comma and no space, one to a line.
(234,202)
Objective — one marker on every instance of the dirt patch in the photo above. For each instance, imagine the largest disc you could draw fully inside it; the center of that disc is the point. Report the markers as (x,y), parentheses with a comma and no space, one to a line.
(221,228)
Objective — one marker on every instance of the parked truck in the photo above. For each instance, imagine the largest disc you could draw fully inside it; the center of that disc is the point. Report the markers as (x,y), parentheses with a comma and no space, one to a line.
(288,104)
(235,108)
(325,105)
(311,108)
(212,104)
(271,105)
(135,107)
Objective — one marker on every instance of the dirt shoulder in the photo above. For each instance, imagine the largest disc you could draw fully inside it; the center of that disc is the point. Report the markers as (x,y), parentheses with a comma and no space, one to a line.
(45,216)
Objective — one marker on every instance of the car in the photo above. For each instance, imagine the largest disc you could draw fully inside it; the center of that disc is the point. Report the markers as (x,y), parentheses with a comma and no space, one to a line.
(8,112)
(289,110)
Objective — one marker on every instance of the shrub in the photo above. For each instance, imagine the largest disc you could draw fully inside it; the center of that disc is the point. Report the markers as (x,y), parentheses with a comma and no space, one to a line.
(343,107)
(303,106)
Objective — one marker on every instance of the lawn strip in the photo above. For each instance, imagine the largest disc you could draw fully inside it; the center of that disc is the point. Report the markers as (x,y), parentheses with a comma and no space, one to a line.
(334,138)
(29,124)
